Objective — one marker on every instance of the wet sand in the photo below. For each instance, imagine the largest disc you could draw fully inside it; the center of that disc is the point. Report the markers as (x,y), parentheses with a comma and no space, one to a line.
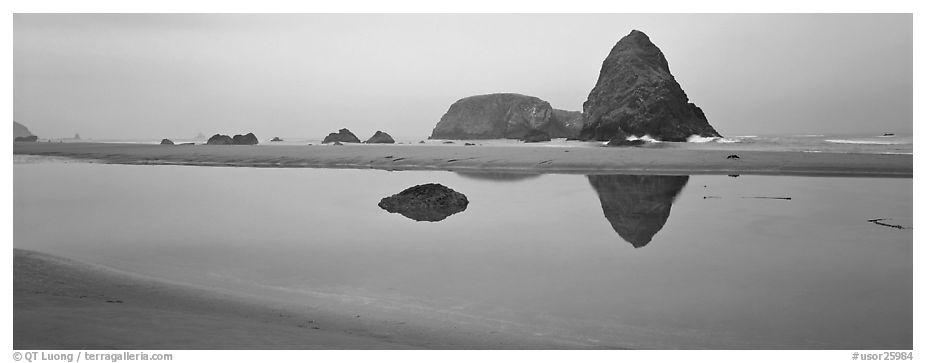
(456,157)
(64,304)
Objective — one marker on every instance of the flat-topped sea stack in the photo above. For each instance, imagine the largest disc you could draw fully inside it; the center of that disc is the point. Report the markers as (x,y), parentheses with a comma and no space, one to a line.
(637,95)
(343,135)
(20,131)
(500,116)
(380,138)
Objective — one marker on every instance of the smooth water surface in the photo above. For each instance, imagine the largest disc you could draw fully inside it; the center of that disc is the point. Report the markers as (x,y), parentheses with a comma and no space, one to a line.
(617,260)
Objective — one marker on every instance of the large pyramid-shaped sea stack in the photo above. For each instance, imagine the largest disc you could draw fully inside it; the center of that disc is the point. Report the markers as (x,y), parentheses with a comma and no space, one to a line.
(637,95)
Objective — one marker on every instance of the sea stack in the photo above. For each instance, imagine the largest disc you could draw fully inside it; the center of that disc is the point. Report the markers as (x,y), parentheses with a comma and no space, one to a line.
(21,131)
(637,95)
(500,116)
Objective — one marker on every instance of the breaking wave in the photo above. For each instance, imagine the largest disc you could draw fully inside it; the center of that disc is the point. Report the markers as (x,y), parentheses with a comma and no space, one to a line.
(864,142)
(719,140)
(645,138)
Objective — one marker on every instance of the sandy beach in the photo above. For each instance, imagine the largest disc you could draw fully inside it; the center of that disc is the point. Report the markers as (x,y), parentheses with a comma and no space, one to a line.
(456,157)
(64,304)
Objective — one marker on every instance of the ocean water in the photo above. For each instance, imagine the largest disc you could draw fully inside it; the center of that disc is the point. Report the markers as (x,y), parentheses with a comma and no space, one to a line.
(635,261)
(835,143)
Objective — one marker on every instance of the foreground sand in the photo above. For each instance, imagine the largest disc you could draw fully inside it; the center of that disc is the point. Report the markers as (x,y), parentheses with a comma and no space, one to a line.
(586,160)
(63,304)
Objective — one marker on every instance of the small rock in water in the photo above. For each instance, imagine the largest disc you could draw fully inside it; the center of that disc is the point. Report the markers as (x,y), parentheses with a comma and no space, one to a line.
(734,156)
(166,142)
(275,138)
(426,202)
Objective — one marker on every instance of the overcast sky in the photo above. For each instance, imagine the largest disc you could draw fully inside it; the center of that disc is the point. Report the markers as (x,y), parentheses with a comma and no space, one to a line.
(149,76)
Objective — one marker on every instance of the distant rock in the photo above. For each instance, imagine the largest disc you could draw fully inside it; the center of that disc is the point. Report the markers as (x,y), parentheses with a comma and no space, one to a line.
(448,142)
(166,142)
(637,95)
(276,139)
(20,130)
(343,135)
(76,136)
(218,139)
(248,139)
(32,138)
(421,142)
(887,134)
(536,136)
(469,144)
(733,156)
(426,202)
(380,138)
(637,206)
(500,116)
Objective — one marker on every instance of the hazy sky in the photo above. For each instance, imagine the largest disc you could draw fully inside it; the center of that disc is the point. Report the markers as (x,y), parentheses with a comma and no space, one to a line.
(150,76)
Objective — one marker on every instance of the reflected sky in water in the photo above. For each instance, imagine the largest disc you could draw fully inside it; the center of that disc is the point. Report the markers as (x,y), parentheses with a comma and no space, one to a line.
(547,252)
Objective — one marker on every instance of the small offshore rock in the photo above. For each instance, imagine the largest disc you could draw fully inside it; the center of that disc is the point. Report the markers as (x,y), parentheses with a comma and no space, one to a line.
(248,139)
(343,135)
(166,142)
(275,139)
(380,138)
(219,139)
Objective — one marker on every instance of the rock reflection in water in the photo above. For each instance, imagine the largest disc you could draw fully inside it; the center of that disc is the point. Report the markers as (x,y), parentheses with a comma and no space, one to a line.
(496,176)
(637,205)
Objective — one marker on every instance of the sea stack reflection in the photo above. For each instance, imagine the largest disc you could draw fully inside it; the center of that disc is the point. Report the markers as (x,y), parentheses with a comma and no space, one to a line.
(637,205)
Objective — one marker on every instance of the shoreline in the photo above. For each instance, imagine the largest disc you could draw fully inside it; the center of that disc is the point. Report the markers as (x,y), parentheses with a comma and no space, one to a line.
(580,160)
(59,303)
